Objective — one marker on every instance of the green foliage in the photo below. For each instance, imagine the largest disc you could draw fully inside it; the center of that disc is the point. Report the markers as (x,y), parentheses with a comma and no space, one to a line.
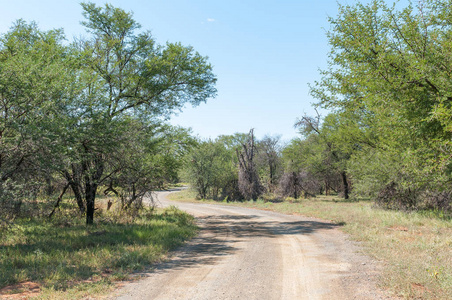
(31,85)
(268,161)
(130,84)
(34,76)
(138,75)
(319,162)
(211,170)
(372,170)
(92,113)
(388,79)
(175,143)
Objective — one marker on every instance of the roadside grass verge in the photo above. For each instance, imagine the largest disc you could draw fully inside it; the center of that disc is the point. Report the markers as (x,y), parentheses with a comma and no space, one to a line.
(65,259)
(415,248)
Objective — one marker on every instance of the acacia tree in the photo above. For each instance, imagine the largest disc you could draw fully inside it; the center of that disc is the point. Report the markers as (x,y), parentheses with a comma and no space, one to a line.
(203,168)
(304,169)
(393,66)
(171,145)
(153,157)
(334,158)
(34,76)
(125,75)
(268,160)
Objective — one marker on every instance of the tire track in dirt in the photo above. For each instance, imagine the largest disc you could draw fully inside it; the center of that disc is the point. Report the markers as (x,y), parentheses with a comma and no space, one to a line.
(249,254)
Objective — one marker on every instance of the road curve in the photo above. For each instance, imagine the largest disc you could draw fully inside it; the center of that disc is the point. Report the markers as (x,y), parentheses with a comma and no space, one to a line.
(249,254)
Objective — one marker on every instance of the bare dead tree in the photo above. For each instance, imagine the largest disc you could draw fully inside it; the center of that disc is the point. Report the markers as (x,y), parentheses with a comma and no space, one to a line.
(249,183)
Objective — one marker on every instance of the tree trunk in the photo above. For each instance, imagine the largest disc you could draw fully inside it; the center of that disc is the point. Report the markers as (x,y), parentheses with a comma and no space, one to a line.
(271,178)
(295,183)
(57,204)
(327,188)
(92,171)
(345,184)
(90,201)
(75,186)
(133,197)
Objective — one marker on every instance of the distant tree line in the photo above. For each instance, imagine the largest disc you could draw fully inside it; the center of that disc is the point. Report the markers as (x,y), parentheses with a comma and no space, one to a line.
(234,167)
(89,117)
(388,134)
(241,167)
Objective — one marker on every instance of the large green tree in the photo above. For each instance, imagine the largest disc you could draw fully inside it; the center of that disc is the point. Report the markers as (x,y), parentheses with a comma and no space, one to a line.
(34,75)
(391,67)
(125,75)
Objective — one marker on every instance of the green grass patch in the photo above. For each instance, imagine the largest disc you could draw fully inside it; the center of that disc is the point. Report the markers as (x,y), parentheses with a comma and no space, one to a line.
(415,248)
(70,260)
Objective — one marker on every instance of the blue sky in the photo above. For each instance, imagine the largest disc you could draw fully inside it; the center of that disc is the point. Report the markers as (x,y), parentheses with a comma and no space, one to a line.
(264,53)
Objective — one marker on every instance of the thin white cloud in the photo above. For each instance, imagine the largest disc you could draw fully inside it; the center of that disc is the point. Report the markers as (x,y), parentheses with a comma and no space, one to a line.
(210,20)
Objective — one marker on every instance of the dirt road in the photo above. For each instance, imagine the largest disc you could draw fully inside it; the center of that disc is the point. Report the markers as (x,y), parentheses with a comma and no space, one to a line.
(251,254)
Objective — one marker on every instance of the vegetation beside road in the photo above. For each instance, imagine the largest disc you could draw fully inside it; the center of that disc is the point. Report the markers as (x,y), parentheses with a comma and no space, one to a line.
(415,248)
(64,259)
(89,118)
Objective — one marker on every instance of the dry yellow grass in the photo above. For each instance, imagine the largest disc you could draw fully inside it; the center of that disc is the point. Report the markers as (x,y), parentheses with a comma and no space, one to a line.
(415,248)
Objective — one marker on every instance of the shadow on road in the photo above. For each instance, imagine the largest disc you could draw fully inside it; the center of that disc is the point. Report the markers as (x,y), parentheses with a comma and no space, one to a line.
(252,226)
(220,234)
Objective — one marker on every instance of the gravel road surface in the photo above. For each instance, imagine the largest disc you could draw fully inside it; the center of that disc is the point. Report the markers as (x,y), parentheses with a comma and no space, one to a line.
(249,254)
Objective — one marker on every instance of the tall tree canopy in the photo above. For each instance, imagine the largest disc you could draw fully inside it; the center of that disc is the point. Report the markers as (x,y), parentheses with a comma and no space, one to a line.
(34,71)
(93,112)
(126,75)
(390,70)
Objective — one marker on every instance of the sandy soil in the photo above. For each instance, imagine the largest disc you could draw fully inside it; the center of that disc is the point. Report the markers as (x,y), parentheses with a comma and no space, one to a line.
(248,254)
